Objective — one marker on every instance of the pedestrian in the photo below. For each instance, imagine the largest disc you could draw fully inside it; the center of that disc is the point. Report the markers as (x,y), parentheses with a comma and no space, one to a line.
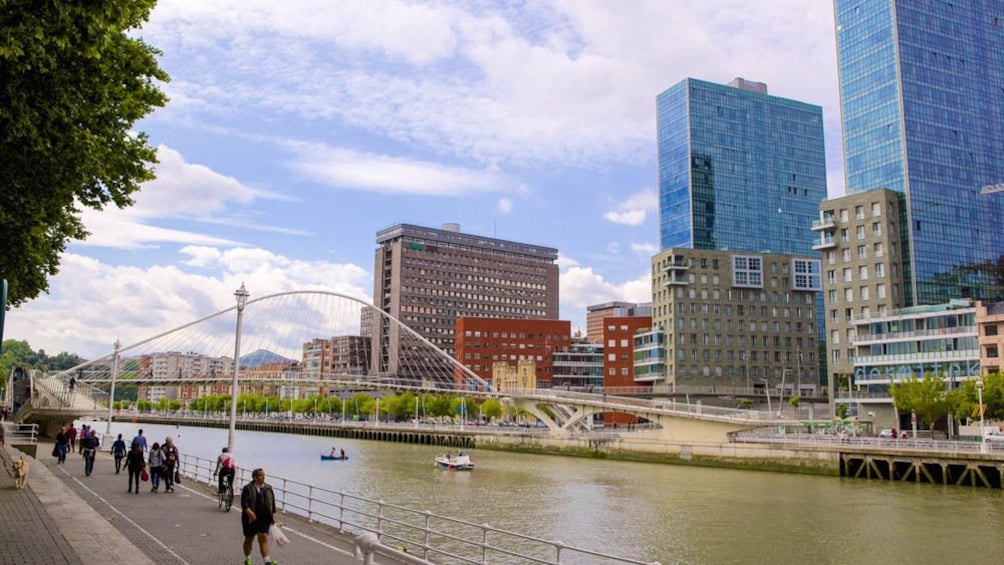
(119,452)
(257,515)
(141,440)
(135,464)
(171,457)
(156,461)
(71,434)
(62,444)
(89,449)
(85,432)
(2,439)
(73,383)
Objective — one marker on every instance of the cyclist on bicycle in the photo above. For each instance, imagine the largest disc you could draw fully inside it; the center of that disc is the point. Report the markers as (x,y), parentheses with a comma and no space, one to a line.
(226,468)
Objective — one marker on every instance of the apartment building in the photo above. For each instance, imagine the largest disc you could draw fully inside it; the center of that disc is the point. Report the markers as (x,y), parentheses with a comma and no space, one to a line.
(481,343)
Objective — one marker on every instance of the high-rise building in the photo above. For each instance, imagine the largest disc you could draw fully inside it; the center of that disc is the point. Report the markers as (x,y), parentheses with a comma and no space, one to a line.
(922,103)
(596,313)
(739,169)
(427,278)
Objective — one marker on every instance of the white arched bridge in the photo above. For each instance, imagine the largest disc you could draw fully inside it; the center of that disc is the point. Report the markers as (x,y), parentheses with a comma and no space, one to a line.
(313,342)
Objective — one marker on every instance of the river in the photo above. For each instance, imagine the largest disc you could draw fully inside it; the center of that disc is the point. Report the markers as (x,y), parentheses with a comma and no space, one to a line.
(668,513)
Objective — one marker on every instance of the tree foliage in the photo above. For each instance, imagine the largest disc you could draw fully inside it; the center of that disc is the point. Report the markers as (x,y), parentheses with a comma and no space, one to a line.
(72,84)
(17,353)
(926,397)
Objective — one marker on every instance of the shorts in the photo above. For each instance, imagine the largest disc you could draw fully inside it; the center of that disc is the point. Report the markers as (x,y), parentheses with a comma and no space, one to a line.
(260,526)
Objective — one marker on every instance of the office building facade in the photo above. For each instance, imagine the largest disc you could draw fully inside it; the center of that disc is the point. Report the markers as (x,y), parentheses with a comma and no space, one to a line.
(922,103)
(579,366)
(428,278)
(483,342)
(739,169)
(990,321)
(596,313)
(738,319)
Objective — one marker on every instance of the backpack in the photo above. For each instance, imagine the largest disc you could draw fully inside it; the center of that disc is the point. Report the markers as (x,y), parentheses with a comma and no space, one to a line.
(171,455)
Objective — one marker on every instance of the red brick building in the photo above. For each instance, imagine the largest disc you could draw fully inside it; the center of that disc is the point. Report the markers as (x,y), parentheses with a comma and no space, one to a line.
(618,357)
(480,342)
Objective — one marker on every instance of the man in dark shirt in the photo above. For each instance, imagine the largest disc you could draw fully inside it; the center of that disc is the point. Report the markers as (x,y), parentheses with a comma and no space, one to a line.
(257,515)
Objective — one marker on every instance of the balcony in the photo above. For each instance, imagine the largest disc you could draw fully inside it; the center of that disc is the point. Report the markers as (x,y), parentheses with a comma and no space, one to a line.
(826,223)
(825,242)
(677,263)
(676,281)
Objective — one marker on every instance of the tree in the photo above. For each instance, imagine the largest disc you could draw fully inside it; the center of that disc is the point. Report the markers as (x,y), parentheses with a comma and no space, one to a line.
(927,398)
(73,81)
(491,409)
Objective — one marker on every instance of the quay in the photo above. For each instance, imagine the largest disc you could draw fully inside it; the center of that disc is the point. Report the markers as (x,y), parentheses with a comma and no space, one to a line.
(951,463)
(65,517)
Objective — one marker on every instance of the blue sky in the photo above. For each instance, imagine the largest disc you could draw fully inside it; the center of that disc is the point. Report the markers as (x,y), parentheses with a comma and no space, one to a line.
(296,130)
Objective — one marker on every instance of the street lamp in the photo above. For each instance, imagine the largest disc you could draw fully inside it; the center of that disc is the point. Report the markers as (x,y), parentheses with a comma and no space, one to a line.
(241,294)
(979,391)
(766,388)
(746,364)
(799,375)
(111,393)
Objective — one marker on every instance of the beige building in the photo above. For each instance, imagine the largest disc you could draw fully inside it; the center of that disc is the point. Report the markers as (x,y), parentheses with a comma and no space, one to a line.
(522,377)
(859,238)
(990,321)
(596,313)
(737,318)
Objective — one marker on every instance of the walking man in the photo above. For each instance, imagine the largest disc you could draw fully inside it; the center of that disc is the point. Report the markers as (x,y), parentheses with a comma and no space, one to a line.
(170,463)
(119,452)
(89,449)
(141,440)
(257,515)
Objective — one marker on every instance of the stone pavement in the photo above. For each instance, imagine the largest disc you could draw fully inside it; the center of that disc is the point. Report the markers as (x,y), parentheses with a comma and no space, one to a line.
(66,517)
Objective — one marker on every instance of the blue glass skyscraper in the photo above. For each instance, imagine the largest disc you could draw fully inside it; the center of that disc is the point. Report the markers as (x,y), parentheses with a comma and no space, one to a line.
(738,169)
(922,106)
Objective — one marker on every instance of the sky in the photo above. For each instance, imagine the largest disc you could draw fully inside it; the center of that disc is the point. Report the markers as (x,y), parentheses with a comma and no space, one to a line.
(296,130)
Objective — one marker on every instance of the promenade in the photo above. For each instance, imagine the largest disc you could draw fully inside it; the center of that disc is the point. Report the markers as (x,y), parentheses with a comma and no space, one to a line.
(66,517)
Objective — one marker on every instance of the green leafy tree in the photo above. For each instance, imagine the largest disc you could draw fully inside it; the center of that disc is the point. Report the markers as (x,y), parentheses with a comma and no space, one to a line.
(842,411)
(926,397)
(491,409)
(73,81)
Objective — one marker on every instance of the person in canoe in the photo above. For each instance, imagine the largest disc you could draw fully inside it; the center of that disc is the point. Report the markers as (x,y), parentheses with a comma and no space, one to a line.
(334,453)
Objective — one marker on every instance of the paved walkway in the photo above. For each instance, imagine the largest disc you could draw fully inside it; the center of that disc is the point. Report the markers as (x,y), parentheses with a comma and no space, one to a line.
(66,517)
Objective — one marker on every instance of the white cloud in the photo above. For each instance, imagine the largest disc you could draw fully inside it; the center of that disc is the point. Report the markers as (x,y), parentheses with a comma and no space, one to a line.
(566,262)
(91,303)
(505,205)
(613,248)
(635,209)
(345,168)
(645,249)
(180,191)
(572,82)
(201,256)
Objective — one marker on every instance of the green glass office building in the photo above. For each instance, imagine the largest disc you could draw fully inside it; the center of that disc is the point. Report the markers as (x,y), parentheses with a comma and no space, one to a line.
(922,107)
(739,169)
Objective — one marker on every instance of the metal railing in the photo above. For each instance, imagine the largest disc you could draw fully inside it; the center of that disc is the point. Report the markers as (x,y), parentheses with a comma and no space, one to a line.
(416,532)
(867,442)
(20,433)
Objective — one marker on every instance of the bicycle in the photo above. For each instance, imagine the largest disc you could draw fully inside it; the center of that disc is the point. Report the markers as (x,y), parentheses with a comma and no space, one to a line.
(226,496)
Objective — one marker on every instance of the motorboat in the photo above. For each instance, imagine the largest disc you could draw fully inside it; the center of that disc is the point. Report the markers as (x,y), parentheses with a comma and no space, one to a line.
(460,462)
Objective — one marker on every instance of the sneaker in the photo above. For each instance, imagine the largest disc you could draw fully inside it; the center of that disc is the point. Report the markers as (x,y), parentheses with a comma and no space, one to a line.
(270,561)
(248,560)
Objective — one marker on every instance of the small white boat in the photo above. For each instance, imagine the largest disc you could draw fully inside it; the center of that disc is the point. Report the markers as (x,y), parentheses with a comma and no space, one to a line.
(459,463)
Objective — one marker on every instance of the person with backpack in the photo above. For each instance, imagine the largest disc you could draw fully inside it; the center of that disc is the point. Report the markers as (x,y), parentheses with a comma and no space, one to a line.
(135,463)
(226,469)
(119,452)
(89,449)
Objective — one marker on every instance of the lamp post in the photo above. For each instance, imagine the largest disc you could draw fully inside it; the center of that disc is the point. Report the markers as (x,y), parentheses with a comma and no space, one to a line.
(746,365)
(111,392)
(766,388)
(799,375)
(241,294)
(979,391)
(780,393)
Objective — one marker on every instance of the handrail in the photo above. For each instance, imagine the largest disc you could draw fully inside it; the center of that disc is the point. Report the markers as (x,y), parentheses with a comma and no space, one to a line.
(20,433)
(420,532)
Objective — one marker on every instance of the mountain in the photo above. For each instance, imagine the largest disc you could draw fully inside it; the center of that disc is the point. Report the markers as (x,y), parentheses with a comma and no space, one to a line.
(262,356)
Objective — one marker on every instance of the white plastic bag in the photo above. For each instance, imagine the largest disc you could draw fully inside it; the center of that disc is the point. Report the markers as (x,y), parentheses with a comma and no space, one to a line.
(278,535)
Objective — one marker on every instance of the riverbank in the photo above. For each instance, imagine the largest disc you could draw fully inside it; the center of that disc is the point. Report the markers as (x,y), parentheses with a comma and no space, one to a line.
(627,446)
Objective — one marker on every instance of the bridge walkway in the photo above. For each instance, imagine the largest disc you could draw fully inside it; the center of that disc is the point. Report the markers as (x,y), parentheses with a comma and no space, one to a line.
(67,517)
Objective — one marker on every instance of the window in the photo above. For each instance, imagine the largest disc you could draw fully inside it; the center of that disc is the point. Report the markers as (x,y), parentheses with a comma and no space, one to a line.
(834,337)
(877,229)
(624,343)
(807,274)
(831,276)
(847,275)
(860,232)
(876,209)
(859,212)
(611,343)
(843,234)
(747,271)
(845,254)
(877,249)
(863,272)
(831,257)
(990,330)
(848,295)
(864,293)
(843,215)
(880,290)
(992,351)
(862,252)
(832,295)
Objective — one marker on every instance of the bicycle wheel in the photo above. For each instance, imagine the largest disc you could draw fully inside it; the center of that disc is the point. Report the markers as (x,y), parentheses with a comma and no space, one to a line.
(228,499)
(222,497)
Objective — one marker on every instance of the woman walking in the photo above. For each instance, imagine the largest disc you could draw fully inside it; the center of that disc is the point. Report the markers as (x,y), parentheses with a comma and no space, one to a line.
(156,466)
(135,463)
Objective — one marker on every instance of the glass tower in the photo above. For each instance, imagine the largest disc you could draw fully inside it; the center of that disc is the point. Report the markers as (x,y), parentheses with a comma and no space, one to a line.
(738,169)
(922,107)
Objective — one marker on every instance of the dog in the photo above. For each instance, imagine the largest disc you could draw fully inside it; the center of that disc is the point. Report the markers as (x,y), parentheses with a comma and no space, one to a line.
(20,473)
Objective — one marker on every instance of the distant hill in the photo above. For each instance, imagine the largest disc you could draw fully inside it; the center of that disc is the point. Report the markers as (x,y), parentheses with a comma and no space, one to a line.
(262,356)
